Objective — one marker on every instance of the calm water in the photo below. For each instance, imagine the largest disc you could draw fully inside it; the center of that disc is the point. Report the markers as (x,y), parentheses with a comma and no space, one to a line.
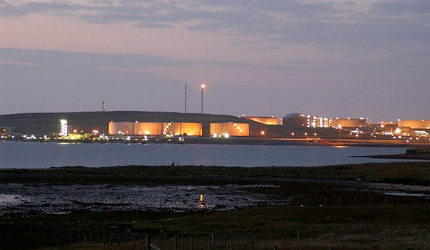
(44,155)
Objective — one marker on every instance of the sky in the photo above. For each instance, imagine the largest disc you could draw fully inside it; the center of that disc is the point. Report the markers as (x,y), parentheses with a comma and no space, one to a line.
(332,58)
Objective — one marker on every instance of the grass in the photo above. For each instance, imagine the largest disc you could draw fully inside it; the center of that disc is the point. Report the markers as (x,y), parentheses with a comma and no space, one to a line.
(417,173)
(293,227)
(321,214)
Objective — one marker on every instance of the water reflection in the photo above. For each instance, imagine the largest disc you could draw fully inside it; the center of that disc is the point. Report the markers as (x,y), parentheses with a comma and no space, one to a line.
(202,203)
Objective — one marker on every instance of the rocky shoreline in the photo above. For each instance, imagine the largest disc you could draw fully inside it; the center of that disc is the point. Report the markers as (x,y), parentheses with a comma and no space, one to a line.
(421,153)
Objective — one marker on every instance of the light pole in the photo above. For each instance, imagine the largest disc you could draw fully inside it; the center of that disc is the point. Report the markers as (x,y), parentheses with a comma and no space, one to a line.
(203,86)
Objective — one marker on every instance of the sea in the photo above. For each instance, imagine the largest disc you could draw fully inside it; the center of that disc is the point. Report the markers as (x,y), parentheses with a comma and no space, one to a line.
(26,155)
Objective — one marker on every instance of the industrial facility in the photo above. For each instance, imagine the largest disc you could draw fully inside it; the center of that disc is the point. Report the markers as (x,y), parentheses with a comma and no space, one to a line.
(313,121)
(155,128)
(349,122)
(138,125)
(267,120)
(178,129)
(415,124)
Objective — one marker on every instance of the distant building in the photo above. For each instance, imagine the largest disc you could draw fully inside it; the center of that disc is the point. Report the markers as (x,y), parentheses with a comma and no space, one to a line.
(267,120)
(388,128)
(416,128)
(6,130)
(229,129)
(64,128)
(415,124)
(295,120)
(349,122)
(155,128)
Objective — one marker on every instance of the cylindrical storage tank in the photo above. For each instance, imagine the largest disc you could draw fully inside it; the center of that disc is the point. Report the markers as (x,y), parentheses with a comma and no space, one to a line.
(415,124)
(349,122)
(183,128)
(149,128)
(264,120)
(229,129)
(121,128)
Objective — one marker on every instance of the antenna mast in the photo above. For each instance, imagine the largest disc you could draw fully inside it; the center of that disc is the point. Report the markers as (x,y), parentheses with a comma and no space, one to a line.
(104,105)
(185,98)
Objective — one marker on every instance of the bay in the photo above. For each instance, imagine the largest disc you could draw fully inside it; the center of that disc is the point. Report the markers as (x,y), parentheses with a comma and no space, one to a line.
(44,155)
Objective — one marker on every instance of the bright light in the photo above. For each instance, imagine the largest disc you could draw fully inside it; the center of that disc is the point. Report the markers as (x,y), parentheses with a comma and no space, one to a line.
(262,132)
(63,127)
(226,135)
(203,86)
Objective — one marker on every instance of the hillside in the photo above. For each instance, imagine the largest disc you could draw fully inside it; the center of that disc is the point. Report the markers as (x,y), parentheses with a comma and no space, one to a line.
(48,123)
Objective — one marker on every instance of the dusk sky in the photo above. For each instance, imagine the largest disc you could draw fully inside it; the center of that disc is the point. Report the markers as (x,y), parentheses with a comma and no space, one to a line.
(335,58)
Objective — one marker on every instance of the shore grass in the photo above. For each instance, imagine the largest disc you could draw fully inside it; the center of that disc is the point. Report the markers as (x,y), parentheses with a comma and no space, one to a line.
(322,213)
(410,173)
(379,226)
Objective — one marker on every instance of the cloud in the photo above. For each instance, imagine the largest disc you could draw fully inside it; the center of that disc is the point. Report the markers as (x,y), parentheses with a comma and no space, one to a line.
(92,60)
(403,7)
(320,23)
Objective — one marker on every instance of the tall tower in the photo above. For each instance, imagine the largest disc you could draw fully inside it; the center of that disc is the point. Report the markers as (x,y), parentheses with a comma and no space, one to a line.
(104,105)
(203,86)
(185,98)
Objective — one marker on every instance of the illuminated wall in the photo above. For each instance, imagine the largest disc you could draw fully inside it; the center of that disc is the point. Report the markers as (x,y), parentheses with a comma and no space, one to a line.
(265,120)
(230,129)
(155,128)
(126,128)
(349,122)
(148,128)
(415,124)
(183,128)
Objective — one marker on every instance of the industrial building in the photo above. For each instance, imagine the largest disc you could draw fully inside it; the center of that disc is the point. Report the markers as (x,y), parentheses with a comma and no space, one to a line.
(267,120)
(155,128)
(226,129)
(349,122)
(415,124)
(416,128)
(183,128)
(296,120)
(229,129)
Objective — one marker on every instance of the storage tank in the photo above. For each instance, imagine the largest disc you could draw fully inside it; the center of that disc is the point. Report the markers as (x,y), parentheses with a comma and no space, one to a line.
(414,124)
(229,129)
(121,128)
